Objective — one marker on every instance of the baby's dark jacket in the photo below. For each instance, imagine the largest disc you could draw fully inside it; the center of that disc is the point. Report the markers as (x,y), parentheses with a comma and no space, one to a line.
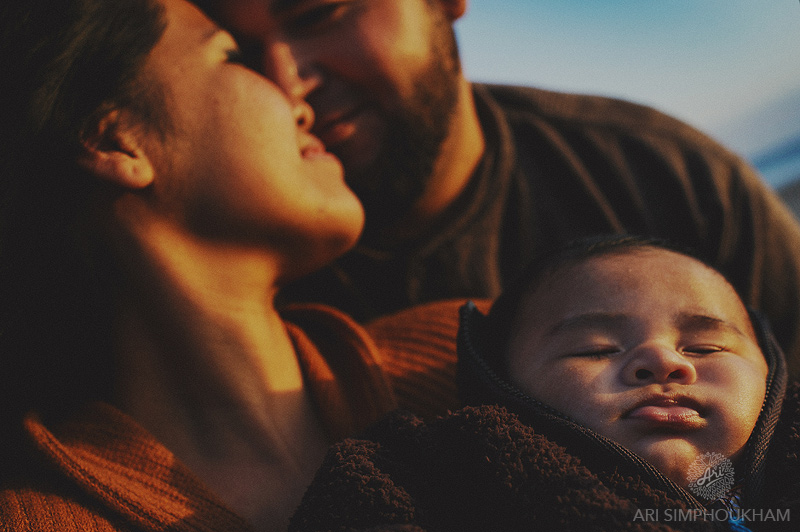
(511,463)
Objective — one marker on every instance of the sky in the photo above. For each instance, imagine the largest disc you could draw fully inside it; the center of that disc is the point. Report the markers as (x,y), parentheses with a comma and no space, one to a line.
(717,64)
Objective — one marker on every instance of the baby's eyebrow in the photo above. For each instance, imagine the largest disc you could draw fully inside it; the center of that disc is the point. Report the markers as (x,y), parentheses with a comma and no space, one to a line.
(589,320)
(702,322)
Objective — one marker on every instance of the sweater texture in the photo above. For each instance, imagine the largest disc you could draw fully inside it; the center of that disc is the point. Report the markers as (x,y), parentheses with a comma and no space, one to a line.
(97,469)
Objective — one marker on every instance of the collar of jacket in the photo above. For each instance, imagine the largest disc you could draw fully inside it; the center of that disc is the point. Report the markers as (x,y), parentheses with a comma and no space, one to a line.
(478,383)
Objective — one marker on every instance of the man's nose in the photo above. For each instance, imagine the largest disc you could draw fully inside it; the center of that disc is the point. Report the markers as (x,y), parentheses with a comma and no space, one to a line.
(659,364)
(283,64)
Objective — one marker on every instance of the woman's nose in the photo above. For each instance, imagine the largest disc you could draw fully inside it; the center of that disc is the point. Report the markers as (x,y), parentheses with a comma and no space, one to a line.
(303,114)
(658,364)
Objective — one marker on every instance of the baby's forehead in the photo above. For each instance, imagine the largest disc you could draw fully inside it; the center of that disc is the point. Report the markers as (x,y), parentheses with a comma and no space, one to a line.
(629,266)
(643,277)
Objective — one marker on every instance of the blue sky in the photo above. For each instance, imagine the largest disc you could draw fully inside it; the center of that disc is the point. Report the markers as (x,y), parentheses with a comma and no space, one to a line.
(712,63)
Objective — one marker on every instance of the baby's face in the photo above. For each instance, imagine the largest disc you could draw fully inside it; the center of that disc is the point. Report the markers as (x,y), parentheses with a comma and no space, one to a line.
(649,348)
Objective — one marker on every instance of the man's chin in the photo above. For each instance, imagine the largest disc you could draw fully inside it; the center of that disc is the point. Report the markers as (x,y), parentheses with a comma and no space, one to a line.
(359,175)
(382,213)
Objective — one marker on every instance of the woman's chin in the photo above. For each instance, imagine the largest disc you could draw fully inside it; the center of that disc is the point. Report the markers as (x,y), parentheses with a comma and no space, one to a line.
(314,255)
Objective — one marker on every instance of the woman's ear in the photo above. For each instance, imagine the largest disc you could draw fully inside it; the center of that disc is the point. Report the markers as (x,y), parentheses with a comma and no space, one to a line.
(114,152)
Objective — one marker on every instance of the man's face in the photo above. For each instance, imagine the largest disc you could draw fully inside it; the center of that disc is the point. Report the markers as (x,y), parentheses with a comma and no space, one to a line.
(381,75)
(649,348)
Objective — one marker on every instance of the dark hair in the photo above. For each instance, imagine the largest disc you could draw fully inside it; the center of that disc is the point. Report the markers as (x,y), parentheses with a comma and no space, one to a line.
(501,318)
(64,64)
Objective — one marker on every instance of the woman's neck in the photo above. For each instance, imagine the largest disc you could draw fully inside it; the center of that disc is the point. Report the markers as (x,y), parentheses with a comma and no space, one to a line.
(207,365)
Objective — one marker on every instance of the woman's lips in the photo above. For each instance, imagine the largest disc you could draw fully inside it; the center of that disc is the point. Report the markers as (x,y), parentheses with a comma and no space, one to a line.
(314,149)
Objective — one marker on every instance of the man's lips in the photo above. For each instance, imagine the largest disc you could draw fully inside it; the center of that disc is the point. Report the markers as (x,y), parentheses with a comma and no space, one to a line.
(670,412)
(337,126)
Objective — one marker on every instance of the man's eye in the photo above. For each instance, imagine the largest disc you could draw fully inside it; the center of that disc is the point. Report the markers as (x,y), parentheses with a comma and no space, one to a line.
(316,18)
(248,55)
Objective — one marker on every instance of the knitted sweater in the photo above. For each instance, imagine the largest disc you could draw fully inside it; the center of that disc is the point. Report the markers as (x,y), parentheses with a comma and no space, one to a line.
(484,468)
(98,470)
(558,167)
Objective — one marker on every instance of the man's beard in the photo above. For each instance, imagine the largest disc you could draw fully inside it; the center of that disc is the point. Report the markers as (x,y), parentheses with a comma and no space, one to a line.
(398,178)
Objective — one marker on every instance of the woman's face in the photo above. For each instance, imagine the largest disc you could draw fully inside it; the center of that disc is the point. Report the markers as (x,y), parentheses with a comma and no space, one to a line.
(238,164)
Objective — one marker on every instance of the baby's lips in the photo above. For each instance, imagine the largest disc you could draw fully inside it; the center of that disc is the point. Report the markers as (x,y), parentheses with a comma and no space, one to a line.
(676,412)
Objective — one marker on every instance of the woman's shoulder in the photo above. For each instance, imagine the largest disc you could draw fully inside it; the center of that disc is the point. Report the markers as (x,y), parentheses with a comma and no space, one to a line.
(96,469)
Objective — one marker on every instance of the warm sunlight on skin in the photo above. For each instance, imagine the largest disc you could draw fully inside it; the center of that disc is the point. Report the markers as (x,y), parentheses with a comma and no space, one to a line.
(243,198)
(650,348)
(386,87)
(234,173)
(354,61)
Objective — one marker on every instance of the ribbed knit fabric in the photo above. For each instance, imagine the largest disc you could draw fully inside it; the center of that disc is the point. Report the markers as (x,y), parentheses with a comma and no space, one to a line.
(350,391)
(122,471)
(418,346)
(99,470)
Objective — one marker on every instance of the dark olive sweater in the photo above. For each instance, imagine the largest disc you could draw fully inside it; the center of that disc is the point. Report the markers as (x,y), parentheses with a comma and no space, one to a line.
(559,167)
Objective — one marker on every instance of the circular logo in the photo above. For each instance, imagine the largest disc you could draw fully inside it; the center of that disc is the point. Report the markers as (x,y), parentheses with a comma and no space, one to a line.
(711,476)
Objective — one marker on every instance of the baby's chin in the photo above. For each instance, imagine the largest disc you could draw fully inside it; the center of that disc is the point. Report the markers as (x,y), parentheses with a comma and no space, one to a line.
(672,456)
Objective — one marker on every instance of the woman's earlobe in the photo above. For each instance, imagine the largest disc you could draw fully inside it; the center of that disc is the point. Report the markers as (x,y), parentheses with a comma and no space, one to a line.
(113,152)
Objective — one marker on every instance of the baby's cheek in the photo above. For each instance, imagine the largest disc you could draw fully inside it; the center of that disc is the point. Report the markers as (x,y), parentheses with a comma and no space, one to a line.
(577,402)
